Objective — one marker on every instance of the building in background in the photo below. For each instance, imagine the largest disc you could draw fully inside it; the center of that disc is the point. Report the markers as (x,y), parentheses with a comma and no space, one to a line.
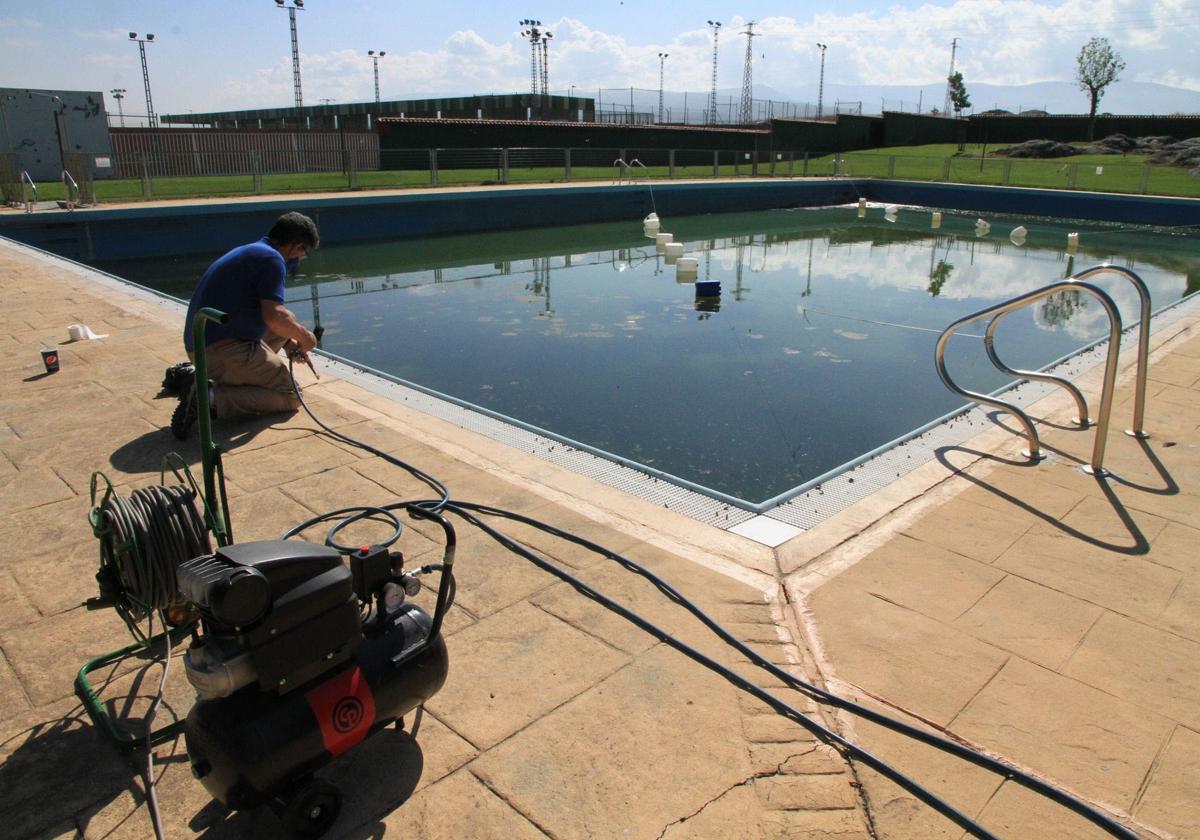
(362,115)
(43,132)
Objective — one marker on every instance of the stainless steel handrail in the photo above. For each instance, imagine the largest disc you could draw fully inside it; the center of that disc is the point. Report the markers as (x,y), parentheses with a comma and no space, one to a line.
(71,188)
(1096,465)
(25,179)
(1139,399)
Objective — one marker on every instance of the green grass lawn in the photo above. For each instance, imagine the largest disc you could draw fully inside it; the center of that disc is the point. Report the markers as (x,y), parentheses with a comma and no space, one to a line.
(936,162)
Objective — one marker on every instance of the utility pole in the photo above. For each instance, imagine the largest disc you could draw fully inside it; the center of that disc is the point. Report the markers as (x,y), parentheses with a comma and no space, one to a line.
(296,89)
(375,58)
(119,94)
(662,57)
(953,50)
(151,119)
(715,26)
(747,110)
(821,82)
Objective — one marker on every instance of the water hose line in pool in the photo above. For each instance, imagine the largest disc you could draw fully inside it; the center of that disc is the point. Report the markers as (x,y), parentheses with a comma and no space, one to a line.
(469,510)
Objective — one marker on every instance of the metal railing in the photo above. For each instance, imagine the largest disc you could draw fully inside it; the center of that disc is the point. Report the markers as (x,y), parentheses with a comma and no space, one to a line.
(71,188)
(25,199)
(1075,283)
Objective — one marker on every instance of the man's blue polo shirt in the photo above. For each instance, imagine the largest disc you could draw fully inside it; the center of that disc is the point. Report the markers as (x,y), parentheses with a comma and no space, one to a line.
(237,284)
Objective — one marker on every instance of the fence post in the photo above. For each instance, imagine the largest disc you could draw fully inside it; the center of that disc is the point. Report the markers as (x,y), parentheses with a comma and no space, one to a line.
(791,164)
(256,157)
(774,155)
(1007,176)
(433,175)
(566,164)
(1145,185)
(716,164)
(1072,172)
(670,163)
(805,172)
(946,169)
(754,164)
(891,166)
(504,166)
(351,170)
(147,188)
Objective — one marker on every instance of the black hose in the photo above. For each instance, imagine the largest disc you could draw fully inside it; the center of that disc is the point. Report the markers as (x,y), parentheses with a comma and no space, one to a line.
(945,744)
(143,538)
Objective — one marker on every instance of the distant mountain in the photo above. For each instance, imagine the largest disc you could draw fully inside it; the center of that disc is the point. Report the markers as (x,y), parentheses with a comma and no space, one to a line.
(1055,97)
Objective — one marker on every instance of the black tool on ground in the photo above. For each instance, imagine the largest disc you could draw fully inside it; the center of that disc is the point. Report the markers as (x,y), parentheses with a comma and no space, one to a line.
(298,651)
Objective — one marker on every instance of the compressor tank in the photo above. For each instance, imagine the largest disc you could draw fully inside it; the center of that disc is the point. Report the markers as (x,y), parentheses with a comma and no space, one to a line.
(249,747)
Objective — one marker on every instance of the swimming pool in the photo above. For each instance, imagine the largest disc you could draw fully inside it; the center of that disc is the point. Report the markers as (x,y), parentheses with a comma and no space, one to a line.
(818,349)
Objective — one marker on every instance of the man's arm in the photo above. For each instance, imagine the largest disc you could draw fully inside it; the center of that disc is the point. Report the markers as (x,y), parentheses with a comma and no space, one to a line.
(282,322)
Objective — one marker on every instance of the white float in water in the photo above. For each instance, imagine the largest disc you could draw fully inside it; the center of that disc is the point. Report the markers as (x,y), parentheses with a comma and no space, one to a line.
(662,240)
(686,269)
(1072,243)
(982,227)
(862,208)
(651,221)
(936,219)
(674,249)
(890,211)
(1018,234)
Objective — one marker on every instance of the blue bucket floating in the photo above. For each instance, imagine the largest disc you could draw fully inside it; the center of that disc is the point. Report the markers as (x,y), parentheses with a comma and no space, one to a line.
(708,288)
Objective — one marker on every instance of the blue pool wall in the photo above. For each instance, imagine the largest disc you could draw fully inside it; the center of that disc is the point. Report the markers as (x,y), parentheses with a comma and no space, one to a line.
(167,230)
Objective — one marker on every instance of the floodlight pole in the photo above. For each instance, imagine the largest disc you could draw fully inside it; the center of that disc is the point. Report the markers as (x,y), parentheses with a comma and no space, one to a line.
(119,94)
(662,57)
(375,58)
(534,33)
(715,26)
(297,90)
(821,82)
(151,119)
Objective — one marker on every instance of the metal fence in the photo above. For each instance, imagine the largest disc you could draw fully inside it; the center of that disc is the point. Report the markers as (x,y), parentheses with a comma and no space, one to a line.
(423,167)
(185,153)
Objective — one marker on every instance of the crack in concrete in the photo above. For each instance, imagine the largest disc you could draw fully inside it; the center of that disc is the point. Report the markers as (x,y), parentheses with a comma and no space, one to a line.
(509,802)
(749,780)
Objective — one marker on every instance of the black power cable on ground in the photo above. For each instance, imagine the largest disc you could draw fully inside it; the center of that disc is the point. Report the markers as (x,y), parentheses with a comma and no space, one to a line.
(468,510)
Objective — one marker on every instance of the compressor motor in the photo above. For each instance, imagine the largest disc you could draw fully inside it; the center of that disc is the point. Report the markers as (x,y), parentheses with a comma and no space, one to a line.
(301,657)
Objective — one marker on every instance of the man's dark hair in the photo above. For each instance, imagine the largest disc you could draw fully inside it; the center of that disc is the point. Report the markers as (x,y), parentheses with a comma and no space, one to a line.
(292,228)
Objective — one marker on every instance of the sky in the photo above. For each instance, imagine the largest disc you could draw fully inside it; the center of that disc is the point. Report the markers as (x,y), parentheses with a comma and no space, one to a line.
(212,55)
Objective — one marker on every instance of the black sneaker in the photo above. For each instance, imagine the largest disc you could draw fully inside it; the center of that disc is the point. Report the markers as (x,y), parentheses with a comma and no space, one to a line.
(184,416)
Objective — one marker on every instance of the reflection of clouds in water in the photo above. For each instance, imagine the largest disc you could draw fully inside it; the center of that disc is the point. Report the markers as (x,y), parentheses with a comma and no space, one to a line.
(829,357)
(755,335)
(509,333)
(791,351)
(853,336)
(1000,270)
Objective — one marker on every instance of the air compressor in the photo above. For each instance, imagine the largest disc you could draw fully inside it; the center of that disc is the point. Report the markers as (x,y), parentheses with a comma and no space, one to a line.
(297,651)
(288,675)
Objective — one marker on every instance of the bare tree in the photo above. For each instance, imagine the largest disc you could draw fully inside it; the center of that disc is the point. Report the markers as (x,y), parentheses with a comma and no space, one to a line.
(1099,66)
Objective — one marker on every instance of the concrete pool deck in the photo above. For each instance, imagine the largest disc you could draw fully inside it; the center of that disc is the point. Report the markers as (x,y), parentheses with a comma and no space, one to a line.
(1036,612)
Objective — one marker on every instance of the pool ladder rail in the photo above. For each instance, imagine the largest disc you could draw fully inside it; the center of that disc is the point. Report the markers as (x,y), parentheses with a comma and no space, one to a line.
(1076,282)
(26,181)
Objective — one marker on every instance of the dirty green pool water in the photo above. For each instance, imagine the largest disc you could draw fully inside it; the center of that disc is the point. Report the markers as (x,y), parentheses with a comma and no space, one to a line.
(819,347)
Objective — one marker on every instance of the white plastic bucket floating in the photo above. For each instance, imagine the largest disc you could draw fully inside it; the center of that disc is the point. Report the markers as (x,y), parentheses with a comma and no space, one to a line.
(982,227)
(936,219)
(661,240)
(1018,234)
(1072,243)
(862,208)
(890,211)
(674,249)
(686,269)
(651,221)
